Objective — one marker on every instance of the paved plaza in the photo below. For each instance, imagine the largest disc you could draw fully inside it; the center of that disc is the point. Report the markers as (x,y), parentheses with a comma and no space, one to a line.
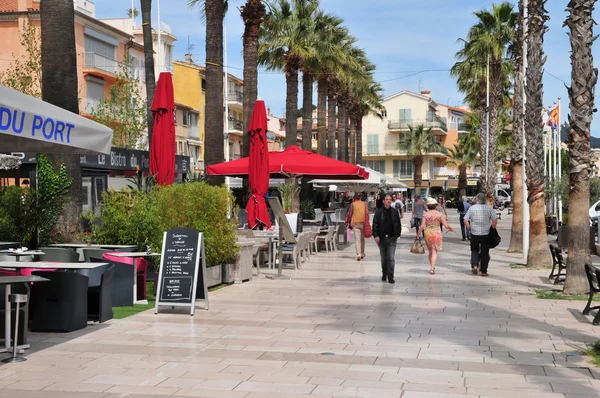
(335,330)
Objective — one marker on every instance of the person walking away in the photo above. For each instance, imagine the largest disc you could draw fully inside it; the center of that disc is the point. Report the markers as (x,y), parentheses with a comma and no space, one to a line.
(432,220)
(463,207)
(398,205)
(355,220)
(441,207)
(418,211)
(386,231)
(478,220)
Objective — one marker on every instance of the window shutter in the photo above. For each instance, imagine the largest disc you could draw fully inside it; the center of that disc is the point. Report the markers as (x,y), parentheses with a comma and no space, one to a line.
(382,166)
(372,143)
(396,168)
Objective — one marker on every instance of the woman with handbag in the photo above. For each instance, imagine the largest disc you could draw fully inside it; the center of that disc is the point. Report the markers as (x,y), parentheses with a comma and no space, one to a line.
(357,220)
(432,220)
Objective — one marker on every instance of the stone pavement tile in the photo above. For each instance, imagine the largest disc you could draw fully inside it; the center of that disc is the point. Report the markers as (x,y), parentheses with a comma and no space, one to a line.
(434,388)
(273,387)
(505,393)
(421,394)
(49,394)
(417,363)
(327,381)
(576,388)
(355,392)
(342,374)
(142,381)
(128,389)
(280,379)
(508,384)
(29,385)
(81,387)
(381,385)
(215,376)
(501,368)
(207,393)
(199,383)
(424,378)
(374,368)
(347,359)
(192,367)
(317,365)
(253,362)
(4,383)
(156,373)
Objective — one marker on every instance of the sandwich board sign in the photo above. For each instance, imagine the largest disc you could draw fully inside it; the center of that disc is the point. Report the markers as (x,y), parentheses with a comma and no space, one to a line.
(182,275)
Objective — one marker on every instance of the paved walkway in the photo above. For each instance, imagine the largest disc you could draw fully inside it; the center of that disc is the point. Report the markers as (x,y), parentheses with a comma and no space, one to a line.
(335,330)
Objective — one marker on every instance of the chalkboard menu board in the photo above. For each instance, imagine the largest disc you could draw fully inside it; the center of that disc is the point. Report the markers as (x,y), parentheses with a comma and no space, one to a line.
(182,269)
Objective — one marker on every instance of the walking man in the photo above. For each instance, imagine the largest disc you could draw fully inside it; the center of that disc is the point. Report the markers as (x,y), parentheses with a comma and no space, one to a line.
(478,220)
(386,231)
(418,211)
(356,218)
(463,207)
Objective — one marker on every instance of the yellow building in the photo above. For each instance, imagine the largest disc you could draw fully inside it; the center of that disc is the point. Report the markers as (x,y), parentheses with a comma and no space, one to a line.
(189,84)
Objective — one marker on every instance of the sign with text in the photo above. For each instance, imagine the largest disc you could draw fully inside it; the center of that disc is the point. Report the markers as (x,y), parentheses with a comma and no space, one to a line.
(182,276)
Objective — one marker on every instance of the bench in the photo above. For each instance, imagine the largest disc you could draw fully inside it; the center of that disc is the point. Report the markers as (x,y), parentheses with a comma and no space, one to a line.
(593,276)
(558,264)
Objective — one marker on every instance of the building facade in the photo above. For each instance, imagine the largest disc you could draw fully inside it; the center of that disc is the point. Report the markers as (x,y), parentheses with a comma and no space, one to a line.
(276,132)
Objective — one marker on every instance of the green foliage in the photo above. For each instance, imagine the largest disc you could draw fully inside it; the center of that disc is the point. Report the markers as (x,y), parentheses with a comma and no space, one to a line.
(559,295)
(308,208)
(25,74)
(594,352)
(17,215)
(141,182)
(125,111)
(288,192)
(52,195)
(419,142)
(138,218)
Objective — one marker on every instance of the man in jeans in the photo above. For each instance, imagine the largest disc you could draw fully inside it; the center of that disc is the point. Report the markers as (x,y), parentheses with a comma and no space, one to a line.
(418,211)
(463,207)
(386,231)
(478,219)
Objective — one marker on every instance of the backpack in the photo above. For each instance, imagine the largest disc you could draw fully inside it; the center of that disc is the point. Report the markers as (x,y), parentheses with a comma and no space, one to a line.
(461,206)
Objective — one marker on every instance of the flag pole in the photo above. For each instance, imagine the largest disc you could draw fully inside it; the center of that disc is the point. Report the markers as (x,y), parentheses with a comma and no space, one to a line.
(558,128)
(555,193)
(522,127)
(159,49)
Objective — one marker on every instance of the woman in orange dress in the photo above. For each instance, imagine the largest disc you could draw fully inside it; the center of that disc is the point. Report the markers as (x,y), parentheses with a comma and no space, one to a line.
(432,220)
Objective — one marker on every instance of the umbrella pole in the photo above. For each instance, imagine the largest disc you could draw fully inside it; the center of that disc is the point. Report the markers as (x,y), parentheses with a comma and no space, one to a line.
(280,249)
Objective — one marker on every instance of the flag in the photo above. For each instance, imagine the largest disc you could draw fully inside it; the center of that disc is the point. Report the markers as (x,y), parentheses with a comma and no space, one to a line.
(553,116)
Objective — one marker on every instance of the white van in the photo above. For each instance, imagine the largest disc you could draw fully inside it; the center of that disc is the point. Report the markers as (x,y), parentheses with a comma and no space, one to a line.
(502,196)
(595,210)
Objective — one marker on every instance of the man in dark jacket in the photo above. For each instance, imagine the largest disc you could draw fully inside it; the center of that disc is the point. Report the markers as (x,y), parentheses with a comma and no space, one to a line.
(386,231)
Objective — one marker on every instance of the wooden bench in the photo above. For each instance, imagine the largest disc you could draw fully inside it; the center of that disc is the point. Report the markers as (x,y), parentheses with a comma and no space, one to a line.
(593,276)
(558,264)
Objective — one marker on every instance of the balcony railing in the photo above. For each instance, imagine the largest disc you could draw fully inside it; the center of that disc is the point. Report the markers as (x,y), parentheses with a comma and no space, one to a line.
(88,104)
(236,125)
(388,149)
(235,96)
(405,124)
(461,127)
(99,61)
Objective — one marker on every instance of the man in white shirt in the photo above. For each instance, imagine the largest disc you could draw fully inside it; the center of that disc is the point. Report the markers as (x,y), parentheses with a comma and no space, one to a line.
(478,220)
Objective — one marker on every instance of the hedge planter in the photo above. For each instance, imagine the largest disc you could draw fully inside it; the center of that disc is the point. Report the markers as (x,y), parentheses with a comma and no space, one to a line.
(213,277)
(242,270)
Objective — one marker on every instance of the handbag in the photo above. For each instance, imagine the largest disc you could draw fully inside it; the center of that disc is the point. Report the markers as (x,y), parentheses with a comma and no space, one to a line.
(417,247)
(493,238)
(368,230)
(412,223)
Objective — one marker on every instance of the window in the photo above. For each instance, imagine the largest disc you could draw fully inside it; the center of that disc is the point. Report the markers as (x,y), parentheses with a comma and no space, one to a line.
(184,118)
(403,168)
(94,45)
(377,165)
(203,84)
(405,115)
(431,116)
(384,113)
(94,93)
(432,167)
(372,144)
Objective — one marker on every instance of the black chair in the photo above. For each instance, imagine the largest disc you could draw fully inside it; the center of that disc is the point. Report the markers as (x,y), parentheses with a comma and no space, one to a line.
(58,254)
(61,304)
(122,282)
(23,314)
(553,250)
(593,276)
(93,252)
(99,293)
(562,267)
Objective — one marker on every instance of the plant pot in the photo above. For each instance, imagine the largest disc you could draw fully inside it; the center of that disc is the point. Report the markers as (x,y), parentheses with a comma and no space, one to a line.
(213,277)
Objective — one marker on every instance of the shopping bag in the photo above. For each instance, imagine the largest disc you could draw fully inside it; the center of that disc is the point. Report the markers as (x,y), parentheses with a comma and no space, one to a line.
(493,238)
(348,235)
(417,247)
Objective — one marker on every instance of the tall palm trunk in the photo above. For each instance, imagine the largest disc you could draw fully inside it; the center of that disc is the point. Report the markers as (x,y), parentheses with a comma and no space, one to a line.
(148,63)
(539,254)
(214,123)
(462,181)
(581,95)
(342,138)
(59,87)
(291,106)
(307,108)
(253,13)
(516,234)
(352,148)
(322,116)
(331,122)
(359,137)
(418,173)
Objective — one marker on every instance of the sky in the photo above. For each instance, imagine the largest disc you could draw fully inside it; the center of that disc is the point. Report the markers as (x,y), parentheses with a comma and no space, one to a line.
(411,42)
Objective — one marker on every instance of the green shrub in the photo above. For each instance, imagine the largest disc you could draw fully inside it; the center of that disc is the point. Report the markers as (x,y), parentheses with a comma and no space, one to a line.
(134,217)
(18,215)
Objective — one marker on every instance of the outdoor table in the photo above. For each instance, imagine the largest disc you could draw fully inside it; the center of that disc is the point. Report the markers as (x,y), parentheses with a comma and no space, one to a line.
(135,256)
(49,265)
(9,245)
(271,236)
(18,255)
(91,246)
(7,281)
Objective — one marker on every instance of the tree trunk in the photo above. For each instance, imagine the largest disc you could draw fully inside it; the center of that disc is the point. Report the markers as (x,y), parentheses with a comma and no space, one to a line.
(213,123)
(307,108)
(462,181)
(539,253)
(359,137)
(322,117)
(291,107)
(516,234)
(418,173)
(148,63)
(59,87)
(352,148)
(331,123)
(342,140)
(581,94)
(252,14)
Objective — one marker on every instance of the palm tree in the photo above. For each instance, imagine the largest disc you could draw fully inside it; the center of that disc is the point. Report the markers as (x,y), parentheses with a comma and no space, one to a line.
(213,13)
(516,234)
(253,13)
(149,63)
(581,94)
(284,46)
(59,87)
(488,40)
(419,142)
(461,157)
(539,254)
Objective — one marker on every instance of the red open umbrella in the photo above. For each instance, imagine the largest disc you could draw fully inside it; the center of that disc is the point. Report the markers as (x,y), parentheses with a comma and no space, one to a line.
(162,147)
(295,162)
(258,167)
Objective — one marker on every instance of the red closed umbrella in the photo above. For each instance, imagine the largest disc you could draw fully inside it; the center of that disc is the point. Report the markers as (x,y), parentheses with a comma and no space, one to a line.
(162,147)
(295,162)
(258,167)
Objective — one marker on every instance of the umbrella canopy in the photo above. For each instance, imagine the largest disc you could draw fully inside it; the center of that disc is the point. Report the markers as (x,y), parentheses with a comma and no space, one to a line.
(162,147)
(258,167)
(295,162)
(28,124)
(370,184)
